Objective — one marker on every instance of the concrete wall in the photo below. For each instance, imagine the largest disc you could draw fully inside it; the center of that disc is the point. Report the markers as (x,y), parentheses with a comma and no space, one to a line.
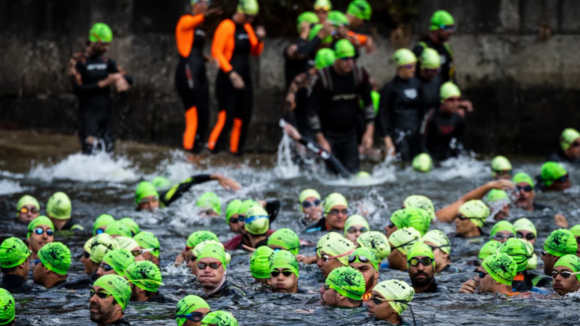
(524,87)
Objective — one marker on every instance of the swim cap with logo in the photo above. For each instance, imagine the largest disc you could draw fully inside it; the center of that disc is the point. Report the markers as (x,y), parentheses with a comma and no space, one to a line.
(8,311)
(325,238)
(347,281)
(367,253)
(344,49)
(488,249)
(308,17)
(55,257)
(396,290)
(568,136)
(232,209)
(13,252)
(41,220)
(247,204)
(248,7)
(286,239)
(448,90)
(212,250)
(117,286)
(420,249)
(476,211)
(161,183)
(561,243)
(119,259)
(439,239)
(286,260)
(314,32)
(148,240)
(325,5)
(523,177)
(101,245)
(502,226)
(87,246)
(414,217)
(430,59)
(360,9)
(101,32)
(404,57)
(188,305)
(440,19)
(260,262)
(145,275)
(145,189)
(131,224)
(210,200)
(421,202)
(101,221)
(197,237)
(219,318)
(337,18)
(570,261)
(118,228)
(355,220)
(257,220)
(500,163)
(423,163)
(26,200)
(377,242)
(519,251)
(126,243)
(523,224)
(501,267)
(575,230)
(59,206)
(339,247)
(197,250)
(551,171)
(324,58)
(334,199)
(404,238)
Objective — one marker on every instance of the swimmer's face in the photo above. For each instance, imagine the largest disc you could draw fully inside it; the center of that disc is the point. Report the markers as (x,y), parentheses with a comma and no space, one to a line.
(574,150)
(390,229)
(208,276)
(188,322)
(407,71)
(525,199)
(329,297)
(192,264)
(38,241)
(463,227)
(562,285)
(282,283)
(313,212)
(322,15)
(28,213)
(337,216)
(382,311)
(149,203)
(354,232)
(327,264)
(441,257)
(549,262)
(370,274)
(234,225)
(421,275)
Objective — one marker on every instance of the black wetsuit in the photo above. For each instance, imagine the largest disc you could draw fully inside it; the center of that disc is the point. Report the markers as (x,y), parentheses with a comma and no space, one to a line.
(540,207)
(430,92)
(120,322)
(15,284)
(159,298)
(400,115)
(447,70)
(79,284)
(226,290)
(305,51)
(96,117)
(437,132)
(72,225)
(177,191)
(333,108)
(561,157)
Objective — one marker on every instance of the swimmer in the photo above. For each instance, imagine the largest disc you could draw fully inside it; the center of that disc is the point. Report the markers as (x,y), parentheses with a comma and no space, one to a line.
(145,279)
(344,287)
(401,242)
(365,261)
(284,272)
(15,265)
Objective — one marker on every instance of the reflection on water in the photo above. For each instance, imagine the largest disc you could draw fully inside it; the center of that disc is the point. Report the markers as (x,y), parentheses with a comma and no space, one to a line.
(101,184)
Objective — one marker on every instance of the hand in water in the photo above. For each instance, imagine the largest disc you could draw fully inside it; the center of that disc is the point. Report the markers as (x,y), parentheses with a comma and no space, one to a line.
(179,260)
(305,259)
(561,221)
(367,142)
(325,145)
(237,81)
(260,33)
(227,183)
(469,287)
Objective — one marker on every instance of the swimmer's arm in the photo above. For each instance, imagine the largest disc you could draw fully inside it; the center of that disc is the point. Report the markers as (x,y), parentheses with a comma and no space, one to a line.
(177,191)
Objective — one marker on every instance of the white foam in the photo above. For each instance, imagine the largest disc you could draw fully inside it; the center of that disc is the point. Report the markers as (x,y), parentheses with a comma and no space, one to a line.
(286,168)
(10,187)
(462,167)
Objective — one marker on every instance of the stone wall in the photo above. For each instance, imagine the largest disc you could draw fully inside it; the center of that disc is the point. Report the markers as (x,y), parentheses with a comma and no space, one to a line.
(516,60)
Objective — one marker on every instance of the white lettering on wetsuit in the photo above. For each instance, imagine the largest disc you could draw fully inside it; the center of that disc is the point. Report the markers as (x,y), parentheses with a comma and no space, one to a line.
(243,37)
(344,97)
(97,66)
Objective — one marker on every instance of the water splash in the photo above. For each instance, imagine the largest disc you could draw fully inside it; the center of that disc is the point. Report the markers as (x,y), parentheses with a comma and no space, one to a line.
(462,167)
(10,187)
(285,167)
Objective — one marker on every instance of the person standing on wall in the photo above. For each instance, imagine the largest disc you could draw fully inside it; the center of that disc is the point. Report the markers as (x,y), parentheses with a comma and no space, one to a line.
(234,41)
(92,73)
(191,76)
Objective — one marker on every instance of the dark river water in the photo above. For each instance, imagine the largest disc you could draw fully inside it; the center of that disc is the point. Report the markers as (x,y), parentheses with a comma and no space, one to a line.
(43,164)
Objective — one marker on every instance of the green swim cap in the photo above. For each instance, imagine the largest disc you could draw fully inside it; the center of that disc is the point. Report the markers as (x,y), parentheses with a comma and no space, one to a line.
(13,252)
(59,206)
(523,224)
(257,220)
(561,243)
(197,250)
(551,171)
(55,257)
(247,204)
(87,246)
(355,220)
(334,199)
(211,201)
(260,262)
(500,163)
(102,220)
(306,16)
(325,239)
(440,19)
(197,237)
(362,175)
(501,268)
(414,217)
(148,240)
(488,249)
(404,239)
(101,32)
(430,59)
(308,192)
(145,275)
(376,96)
(360,9)
(495,195)
(26,200)
(101,245)
(314,32)
(161,183)
(233,209)
(144,189)
(396,290)
(41,220)
(423,163)
(131,224)
(523,177)
(219,318)
(286,239)
(188,305)
(248,7)
(126,243)
(377,242)
(117,286)
(339,246)
(570,261)
(367,253)
(324,58)
(532,262)
(476,211)
(118,228)
(286,260)
(439,239)
(212,250)
(421,202)
(404,57)
(347,281)
(337,18)
(519,251)
(568,136)
(323,5)
(344,49)
(448,90)
(8,311)
(420,249)
(119,259)
(575,230)
(502,226)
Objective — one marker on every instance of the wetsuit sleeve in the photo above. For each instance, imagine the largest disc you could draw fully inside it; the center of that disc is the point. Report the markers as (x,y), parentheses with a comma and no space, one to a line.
(223,34)
(179,190)
(188,22)
(425,131)
(185,33)
(313,103)
(305,49)
(79,88)
(385,105)
(257,45)
(290,103)
(272,207)
(365,89)
(113,68)
(459,131)
(361,38)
